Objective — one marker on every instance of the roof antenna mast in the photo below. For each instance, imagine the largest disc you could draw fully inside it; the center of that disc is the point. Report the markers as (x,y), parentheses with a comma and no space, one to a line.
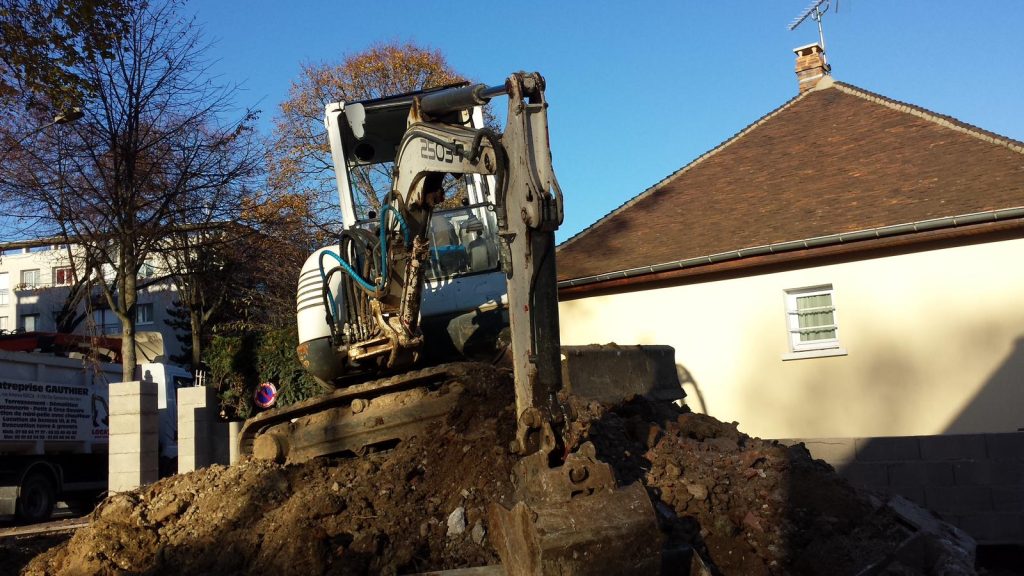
(815,11)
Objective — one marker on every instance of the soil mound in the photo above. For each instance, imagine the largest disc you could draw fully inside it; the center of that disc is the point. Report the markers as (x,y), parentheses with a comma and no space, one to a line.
(747,506)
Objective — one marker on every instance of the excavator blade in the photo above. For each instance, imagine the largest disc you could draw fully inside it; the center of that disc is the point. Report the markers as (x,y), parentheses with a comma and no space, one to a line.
(611,373)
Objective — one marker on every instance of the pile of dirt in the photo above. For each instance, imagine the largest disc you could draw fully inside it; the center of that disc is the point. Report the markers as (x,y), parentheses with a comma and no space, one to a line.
(756,507)
(748,506)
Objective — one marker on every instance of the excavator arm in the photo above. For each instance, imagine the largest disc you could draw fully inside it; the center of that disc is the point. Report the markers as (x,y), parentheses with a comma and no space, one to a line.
(528,206)
(570,518)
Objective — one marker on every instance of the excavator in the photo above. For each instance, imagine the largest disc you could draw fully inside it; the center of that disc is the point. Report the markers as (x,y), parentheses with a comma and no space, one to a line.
(411,273)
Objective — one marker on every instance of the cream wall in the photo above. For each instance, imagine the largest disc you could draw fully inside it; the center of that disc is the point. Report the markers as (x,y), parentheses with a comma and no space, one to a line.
(934,341)
(43,301)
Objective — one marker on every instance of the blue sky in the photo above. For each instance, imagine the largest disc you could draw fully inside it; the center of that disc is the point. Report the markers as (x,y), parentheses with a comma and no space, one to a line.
(639,89)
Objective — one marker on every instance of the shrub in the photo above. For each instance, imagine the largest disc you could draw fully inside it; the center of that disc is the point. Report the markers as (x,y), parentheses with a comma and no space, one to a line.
(238,364)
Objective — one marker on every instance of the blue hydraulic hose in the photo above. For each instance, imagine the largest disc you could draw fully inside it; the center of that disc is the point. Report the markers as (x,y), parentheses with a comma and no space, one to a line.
(401,221)
(344,265)
(383,258)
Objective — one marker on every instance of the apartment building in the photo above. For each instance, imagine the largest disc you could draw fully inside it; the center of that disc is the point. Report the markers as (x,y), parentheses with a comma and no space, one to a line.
(35,281)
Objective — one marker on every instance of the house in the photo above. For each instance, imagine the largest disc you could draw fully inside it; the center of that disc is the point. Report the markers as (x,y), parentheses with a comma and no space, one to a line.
(36,278)
(849,270)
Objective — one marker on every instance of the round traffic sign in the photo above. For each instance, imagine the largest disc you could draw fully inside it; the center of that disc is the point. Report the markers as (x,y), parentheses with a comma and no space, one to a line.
(266,395)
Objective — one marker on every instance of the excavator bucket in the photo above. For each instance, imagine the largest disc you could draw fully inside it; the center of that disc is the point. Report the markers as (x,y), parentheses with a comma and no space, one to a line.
(573,521)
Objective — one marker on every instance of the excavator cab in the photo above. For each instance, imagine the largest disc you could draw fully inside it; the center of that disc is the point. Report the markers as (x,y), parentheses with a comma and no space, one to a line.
(463,274)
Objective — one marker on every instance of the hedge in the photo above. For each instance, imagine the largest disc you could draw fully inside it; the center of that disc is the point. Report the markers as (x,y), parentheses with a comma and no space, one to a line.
(238,364)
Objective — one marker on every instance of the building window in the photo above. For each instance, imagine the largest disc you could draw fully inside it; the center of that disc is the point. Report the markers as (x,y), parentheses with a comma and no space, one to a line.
(144,314)
(147,270)
(811,319)
(105,322)
(62,276)
(3,323)
(30,278)
(5,289)
(30,322)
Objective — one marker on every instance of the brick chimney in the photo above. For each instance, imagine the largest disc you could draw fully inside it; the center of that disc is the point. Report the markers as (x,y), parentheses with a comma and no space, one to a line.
(810,66)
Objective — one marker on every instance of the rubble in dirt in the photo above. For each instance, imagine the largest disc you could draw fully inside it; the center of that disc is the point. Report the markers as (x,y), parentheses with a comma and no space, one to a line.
(756,507)
(747,506)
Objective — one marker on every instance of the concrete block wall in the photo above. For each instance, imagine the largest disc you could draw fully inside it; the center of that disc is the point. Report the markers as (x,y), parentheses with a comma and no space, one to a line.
(975,481)
(202,438)
(134,443)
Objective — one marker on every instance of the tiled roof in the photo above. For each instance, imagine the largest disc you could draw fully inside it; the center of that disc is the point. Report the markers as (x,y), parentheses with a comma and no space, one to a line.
(834,159)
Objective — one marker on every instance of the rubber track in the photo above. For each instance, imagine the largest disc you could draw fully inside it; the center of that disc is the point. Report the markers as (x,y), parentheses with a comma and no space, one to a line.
(342,396)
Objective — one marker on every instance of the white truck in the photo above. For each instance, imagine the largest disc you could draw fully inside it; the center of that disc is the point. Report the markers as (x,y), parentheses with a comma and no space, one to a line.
(54,424)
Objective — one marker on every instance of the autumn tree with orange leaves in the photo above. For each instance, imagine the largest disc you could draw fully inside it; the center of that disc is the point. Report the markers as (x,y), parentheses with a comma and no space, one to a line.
(301,157)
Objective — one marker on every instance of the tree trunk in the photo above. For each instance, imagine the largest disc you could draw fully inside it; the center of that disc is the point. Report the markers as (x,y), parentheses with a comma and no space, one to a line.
(127,351)
(127,298)
(196,318)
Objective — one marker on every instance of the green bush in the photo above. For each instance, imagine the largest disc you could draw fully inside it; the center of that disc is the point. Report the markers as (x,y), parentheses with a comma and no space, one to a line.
(238,364)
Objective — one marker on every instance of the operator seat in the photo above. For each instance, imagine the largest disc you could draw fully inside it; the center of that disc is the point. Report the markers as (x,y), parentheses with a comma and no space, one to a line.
(482,255)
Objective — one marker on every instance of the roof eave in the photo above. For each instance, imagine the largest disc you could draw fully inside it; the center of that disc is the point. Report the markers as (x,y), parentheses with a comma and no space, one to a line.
(845,243)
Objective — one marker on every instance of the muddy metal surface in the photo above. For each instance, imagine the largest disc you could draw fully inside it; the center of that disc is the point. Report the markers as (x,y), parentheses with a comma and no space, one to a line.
(747,506)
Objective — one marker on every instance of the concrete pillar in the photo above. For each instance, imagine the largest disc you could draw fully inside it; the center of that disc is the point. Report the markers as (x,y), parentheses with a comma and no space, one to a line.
(197,417)
(134,457)
(225,442)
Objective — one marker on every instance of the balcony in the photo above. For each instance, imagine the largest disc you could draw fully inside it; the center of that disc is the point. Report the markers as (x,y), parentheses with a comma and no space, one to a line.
(30,286)
(106,329)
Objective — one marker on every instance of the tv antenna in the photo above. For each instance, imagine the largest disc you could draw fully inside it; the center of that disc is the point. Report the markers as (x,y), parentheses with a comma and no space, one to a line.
(815,11)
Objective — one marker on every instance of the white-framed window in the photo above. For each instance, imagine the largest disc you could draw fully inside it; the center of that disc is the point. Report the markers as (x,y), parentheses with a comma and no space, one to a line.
(3,322)
(62,276)
(30,278)
(5,289)
(811,320)
(30,322)
(144,314)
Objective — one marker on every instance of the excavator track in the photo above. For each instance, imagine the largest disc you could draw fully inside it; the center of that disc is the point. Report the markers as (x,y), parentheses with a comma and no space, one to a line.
(357,418)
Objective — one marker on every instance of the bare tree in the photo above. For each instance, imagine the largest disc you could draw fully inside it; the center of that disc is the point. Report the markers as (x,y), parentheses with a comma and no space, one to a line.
(150,155)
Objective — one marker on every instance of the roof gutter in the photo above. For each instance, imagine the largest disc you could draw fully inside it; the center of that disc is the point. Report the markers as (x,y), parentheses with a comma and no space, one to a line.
(816,242)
